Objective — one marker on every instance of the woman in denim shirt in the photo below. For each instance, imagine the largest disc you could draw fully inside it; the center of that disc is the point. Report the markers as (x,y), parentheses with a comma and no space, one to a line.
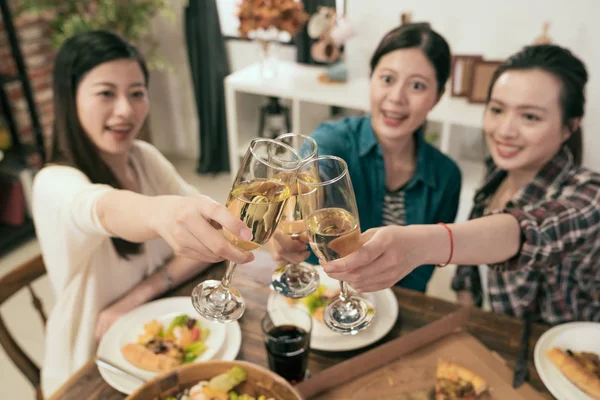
(398,178)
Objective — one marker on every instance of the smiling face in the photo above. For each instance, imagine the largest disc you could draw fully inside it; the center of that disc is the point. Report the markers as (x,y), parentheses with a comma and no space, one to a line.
(112,104)
(523,120)
(403,91)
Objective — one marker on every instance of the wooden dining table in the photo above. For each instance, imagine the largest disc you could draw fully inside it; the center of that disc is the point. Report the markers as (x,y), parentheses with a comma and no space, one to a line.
(500,333)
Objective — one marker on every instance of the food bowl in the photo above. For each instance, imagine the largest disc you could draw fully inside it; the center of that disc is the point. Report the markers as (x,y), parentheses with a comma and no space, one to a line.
(260,381)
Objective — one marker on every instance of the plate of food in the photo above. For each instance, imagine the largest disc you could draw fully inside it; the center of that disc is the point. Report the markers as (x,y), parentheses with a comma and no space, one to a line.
(567,358)
(160,336)
(218,380)
(385,307)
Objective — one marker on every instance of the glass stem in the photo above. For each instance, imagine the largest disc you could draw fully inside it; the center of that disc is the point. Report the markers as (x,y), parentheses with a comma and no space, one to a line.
(344,291)
(221,295)
(293,270)
(228,275)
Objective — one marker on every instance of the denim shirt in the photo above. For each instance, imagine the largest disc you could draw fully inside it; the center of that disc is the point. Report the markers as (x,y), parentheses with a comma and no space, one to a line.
(431,196)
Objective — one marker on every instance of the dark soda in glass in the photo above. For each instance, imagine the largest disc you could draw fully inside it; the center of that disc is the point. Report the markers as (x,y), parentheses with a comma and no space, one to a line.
(287,350)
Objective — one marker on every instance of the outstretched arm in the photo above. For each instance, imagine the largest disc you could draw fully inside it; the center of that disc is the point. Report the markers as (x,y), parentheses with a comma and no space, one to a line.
(190,224)
(187,223)
(392,252)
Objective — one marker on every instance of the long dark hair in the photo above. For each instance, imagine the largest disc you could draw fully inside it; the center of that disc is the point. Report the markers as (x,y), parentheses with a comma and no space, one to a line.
(572,74)
(70,144)
(420,36)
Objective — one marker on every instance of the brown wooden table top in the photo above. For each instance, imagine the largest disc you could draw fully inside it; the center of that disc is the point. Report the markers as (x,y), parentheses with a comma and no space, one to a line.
(499,333)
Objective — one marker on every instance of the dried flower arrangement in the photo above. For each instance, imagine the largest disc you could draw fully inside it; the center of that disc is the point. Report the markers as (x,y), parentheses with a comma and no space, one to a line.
(268,15)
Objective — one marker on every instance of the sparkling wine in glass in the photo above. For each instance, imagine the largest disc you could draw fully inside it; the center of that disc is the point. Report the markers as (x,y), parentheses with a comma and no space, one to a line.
(258,197)
(331,218)
(296,280)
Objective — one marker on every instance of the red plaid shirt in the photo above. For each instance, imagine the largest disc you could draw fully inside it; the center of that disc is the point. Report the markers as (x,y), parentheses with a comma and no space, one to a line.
(556,273)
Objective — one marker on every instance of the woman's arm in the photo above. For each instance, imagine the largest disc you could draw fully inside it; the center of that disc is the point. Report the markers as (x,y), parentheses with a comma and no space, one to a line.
(130,215)
(539,236)
(392,252)
(486,240)
(92,212)
(446,210)
(137,218)
(187,223)
(179,270)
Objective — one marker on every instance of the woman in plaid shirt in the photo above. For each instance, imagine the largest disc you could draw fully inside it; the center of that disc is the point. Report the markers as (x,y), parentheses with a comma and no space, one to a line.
(536,219)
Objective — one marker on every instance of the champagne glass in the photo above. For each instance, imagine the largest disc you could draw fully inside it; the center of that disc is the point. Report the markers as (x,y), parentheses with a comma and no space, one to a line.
(333,228)
(258,196)
(293,280)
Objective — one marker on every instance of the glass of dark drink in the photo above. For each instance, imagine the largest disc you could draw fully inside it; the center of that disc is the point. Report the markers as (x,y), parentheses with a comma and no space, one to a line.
(286,334)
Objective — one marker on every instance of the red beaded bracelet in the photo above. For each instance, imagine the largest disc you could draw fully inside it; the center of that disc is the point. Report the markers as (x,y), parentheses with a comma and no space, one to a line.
(451,244)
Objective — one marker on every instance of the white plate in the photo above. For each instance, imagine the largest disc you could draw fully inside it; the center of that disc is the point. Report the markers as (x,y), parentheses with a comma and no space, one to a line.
(131,325)
(223,342)
(576,336)
(322,338)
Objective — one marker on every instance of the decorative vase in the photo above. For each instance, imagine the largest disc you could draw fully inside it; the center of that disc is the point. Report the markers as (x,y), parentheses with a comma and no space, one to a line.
(268,60)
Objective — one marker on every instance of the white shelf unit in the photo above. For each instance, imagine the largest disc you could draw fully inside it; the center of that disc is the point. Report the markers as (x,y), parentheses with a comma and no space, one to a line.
(310,101)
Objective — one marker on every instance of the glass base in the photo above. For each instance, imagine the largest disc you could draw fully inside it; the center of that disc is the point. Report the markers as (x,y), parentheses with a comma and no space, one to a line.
(295,281)
(348,317)
(216,303)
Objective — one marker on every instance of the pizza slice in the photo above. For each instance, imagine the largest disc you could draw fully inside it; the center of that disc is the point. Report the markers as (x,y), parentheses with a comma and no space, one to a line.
(581,368)
(454,382)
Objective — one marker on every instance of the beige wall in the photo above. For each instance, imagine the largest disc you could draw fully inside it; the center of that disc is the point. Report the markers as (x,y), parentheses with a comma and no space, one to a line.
(495,29)
(173,118)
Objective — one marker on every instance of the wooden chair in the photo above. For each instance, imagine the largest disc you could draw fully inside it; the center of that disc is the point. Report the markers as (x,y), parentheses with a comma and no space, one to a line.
(20,278)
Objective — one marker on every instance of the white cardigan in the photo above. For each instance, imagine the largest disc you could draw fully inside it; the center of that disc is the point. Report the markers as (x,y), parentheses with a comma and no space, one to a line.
(84,268)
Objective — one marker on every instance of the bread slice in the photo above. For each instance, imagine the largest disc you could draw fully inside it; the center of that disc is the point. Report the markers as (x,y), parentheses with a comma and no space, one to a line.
(576,372)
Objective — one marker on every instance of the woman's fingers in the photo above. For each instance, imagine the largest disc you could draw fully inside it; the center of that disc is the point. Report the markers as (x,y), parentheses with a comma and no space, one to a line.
(378,264)
(372,285)
(206,255)
(297,258)
(357,276)
(277,252)
(288,244)
(380,274)
(365,255)
(211,210)
(206,237)
(192,226)
(282,256)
